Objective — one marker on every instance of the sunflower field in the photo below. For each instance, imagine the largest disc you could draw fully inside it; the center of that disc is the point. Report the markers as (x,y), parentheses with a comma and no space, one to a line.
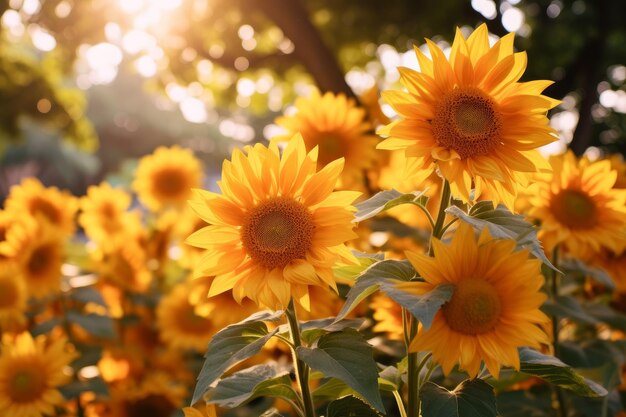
(309,208)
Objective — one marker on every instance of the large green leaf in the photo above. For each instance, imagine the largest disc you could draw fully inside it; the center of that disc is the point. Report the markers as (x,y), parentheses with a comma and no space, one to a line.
(99,326)
(472,398)
(573,267)
(350,406)
(558,373)
(503,224)
(422,307)
(232,345)
(566,306)
(257,381)
(385,200)
(87,295)
(346,355)
(369,281)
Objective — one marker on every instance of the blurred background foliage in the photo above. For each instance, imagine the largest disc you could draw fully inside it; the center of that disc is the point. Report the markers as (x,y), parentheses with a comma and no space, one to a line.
(88,84)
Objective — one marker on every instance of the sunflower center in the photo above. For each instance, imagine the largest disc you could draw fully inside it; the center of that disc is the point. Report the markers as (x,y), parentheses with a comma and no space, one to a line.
(574,209)
(331,147)
(26,385)
(8,294)
(467,121)
(170,183)
(41,206)
(41,259)
(277,232)
(474,307)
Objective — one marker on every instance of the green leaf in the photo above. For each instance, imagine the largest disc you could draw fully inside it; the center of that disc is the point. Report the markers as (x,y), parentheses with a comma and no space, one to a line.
(606,314)
(314,329)
(572,266)
(88,295)
(350,406)
(272,412)
(385,200)
(503,224)
(390,379)
(46,326)
(569,307)
(558,373)
(369,281)
(75,388)
(472,398)
(332,389)
(346,355)
(257,381)
(99,326)
(230,346)
(422,307)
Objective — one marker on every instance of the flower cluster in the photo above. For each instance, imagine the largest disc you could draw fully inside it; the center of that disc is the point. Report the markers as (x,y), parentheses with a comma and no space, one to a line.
(481,257)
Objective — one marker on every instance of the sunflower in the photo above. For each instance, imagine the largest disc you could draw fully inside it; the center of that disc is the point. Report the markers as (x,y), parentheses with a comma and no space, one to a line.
(187,224)
(388,317)
(155,395)
(471,118)
(615,266)
(125,267)
(619,165)
(47,204)
(104,214)
(578,207)
(209,411)
(12,297)
(30,373)
(221,308)
(181,324)
(494,308)
(38,251)
(165,178)
(278,227)
(339,129)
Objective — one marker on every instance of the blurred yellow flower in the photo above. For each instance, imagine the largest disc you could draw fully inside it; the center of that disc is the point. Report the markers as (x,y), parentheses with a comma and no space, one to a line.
(470,117)
(104,214)
(30,373)
(38,251)
(388,317)
(13,297)
(578,206)
(125,267)
(180,323)
(494,308)
(278,227)
(46,204)
(339,129)
(165,177)
(154,395)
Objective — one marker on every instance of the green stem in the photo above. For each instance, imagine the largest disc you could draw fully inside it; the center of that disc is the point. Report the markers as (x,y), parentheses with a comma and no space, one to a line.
(428,216)
(398,398)
(414,372)
(441,216)
(554,292)
(302,369)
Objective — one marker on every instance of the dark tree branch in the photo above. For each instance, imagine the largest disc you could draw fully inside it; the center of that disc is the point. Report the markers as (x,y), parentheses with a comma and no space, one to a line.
(592,75)
(294,21)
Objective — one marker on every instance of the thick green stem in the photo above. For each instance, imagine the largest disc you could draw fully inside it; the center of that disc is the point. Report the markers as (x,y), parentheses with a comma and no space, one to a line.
(414,373)
(413,365)
(441,216)
(302,369)
(554,292)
